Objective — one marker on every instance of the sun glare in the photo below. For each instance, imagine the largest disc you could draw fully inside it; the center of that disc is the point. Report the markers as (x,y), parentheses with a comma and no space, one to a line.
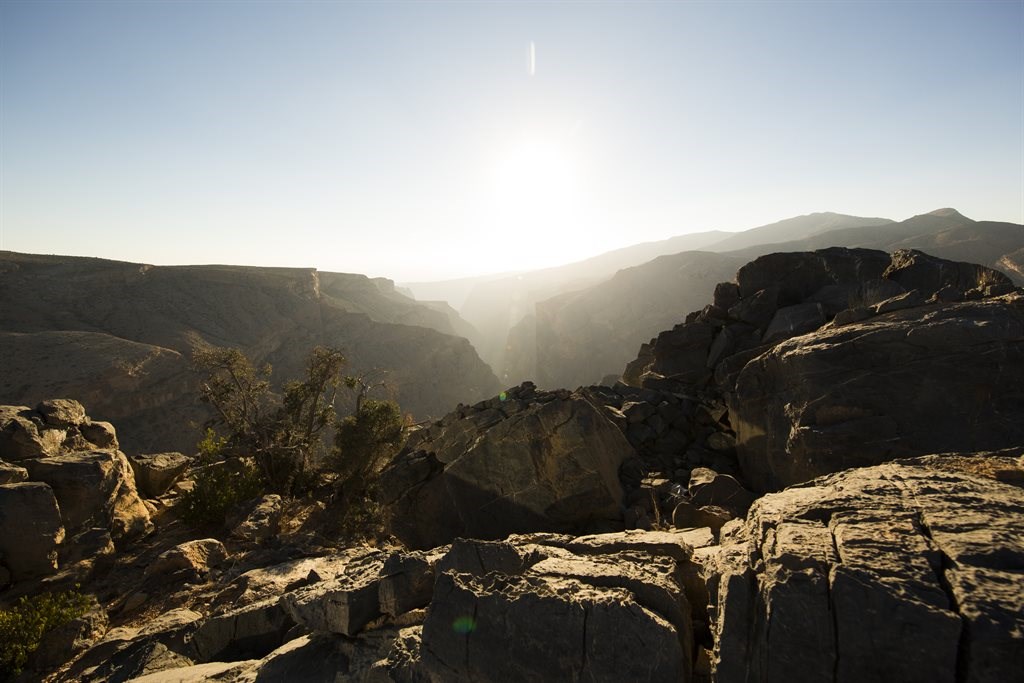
(537,201)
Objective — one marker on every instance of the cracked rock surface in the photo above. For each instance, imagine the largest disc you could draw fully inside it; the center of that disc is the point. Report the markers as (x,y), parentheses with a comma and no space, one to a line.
(526,461)
(937,378)
(910,571)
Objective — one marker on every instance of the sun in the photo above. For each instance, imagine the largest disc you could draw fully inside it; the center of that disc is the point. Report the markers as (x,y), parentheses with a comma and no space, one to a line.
(537,201)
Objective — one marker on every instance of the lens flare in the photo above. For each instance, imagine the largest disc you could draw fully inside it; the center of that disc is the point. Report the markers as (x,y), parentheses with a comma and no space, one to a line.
(464,625)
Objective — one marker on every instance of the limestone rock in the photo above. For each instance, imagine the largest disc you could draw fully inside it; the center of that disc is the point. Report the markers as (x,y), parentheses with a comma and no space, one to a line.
(157,472)
(94,488)
(922,380)
(224,672)
(499,627)
(100,434)
(799,275)
(258,520)
(274,580)
(908,571)
(792,321)
(23,437)
(30,530)
(12,474)
(195,558)
(686,515)
(124,653)
(548,463)
(929,274)
(61,413)
(708,487)
(898,303)
(248,632)
(344,603)
(406,582)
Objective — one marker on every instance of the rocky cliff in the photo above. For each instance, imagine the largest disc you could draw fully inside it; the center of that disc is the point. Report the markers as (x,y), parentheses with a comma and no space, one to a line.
(119,336)
(609,533)
(581,337)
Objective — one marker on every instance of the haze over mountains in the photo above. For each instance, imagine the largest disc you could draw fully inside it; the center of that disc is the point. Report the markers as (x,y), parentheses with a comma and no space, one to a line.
(121,335)
(575,324)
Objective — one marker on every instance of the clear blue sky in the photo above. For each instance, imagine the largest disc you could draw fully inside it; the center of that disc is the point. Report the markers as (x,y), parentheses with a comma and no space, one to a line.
(417,140)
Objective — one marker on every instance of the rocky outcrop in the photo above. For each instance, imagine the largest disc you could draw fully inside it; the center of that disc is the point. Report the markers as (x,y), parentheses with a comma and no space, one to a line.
(94,488)
(914,381)
(578,338)
(869,365)
(65,483)
(119,337)
(155,473)
(537,607)
(53,427)
(30,530)
(905,571)
(193,559)
(523,461)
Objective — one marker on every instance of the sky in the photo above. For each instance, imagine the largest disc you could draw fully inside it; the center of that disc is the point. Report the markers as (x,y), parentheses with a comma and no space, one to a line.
(433,140)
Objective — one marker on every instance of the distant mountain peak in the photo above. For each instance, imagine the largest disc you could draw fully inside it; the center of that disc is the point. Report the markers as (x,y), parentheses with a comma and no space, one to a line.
(946,213)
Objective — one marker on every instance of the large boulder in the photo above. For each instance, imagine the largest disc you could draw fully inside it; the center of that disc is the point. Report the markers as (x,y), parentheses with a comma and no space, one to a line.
(936,378)
(12,474)
(561,615)
(524,461)
(94,488)
(344,603)
(23,435)
(30,530)
(62,413)
(908,571)
(194,558)
(155,473)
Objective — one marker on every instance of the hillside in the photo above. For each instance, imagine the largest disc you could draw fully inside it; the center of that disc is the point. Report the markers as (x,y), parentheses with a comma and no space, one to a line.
(606,321)
(75,326)
(496,305)
(816,476)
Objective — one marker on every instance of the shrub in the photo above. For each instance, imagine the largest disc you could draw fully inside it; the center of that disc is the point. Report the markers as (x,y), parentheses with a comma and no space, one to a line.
(218,488)
(363,443)
(23,626)
(283,434)
(211,447)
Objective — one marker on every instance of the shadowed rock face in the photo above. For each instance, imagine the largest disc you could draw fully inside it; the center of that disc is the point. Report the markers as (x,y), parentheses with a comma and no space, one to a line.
(907,571)
(915,381)
(850,357)
(119,337)
(547,462)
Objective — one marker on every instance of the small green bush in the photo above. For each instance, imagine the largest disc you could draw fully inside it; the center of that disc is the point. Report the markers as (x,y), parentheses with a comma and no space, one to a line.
(218,488)
(23,626)
(211,447)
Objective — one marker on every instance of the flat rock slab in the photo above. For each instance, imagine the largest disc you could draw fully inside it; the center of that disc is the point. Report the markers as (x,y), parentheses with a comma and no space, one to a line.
(908,571)
(344,603)
(516,628)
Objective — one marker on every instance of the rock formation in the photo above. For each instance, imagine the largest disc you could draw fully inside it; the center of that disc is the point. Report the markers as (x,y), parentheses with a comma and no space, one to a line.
(908,571)
(71,481)
(568,339)
(119,337)
(610,533)
(518,462)
(826,360)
